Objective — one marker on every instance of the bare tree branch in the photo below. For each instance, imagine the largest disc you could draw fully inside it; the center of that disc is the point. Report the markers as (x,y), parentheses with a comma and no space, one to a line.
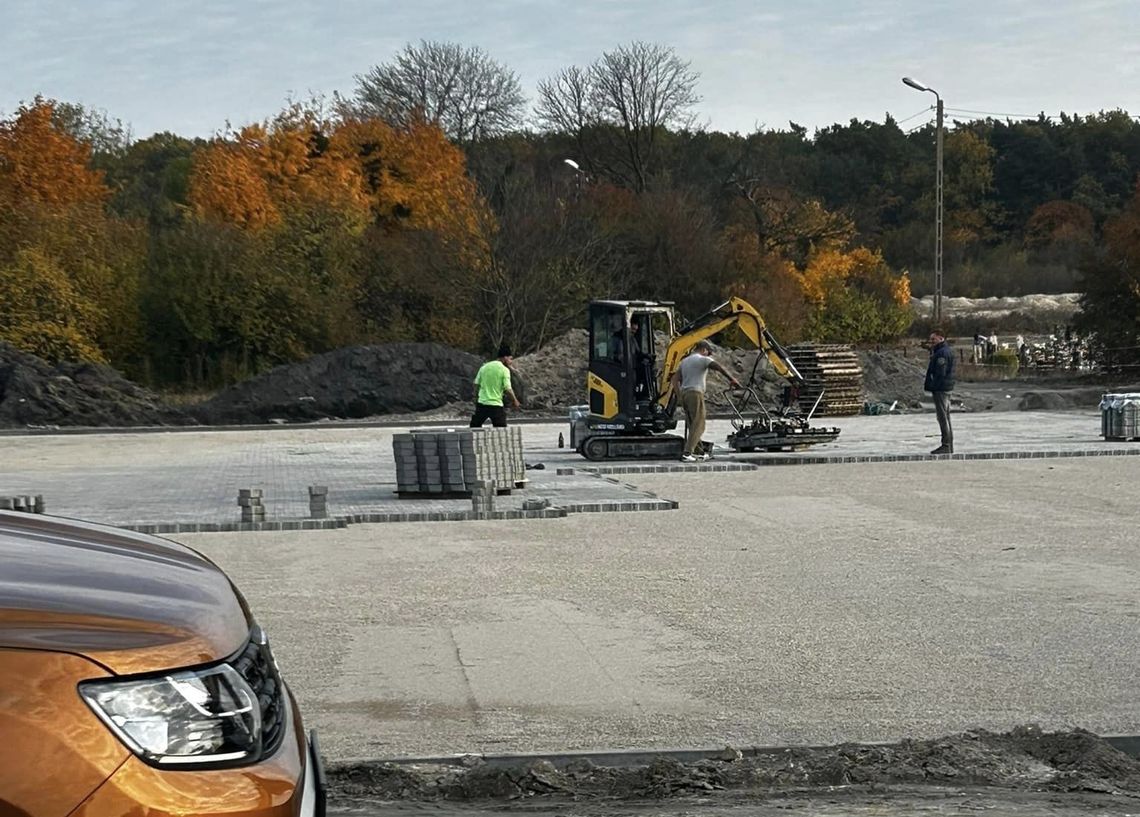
(617,108)
(463,90)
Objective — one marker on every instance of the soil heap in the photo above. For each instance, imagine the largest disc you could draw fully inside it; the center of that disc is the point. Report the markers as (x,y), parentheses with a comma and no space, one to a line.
(356,382)
(894,374)
(554,377)
(36,393)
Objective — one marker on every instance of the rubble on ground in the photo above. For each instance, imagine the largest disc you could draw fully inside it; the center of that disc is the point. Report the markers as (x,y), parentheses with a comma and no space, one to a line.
(35,393)
(1025,759)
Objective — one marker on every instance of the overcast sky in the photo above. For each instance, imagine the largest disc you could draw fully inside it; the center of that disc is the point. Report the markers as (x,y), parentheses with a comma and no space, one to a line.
(190,66)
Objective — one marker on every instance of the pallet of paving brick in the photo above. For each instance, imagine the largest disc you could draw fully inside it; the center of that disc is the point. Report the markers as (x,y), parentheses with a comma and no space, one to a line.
(416,493)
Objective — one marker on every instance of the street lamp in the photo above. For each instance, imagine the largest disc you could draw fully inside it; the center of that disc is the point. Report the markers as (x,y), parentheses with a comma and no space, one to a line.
(577,177)
(918,86)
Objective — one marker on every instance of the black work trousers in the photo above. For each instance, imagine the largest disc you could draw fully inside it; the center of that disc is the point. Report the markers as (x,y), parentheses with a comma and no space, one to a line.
(496,414)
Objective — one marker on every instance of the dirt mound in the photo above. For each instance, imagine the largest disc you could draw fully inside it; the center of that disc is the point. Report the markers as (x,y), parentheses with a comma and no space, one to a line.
(359,381)
(35,393)
(893,374)
(1022,759)
(554,377)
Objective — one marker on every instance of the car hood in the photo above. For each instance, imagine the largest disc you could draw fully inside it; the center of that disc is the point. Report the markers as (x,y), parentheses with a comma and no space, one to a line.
(131,602)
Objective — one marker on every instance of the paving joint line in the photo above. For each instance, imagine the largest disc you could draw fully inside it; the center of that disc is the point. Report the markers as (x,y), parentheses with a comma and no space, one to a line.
(755,464)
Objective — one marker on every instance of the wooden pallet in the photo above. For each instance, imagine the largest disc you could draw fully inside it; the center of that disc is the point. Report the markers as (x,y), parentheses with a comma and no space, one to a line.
(834,370)
(518,485)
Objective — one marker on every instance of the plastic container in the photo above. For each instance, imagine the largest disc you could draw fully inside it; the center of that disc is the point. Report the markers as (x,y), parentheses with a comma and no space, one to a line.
(1120,416)
(578,415)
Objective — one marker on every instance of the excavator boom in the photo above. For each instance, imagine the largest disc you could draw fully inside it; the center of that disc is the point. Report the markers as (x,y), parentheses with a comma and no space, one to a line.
(733,312)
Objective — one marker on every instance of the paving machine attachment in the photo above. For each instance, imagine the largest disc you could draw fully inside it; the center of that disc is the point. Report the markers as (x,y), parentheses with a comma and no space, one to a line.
(632,404)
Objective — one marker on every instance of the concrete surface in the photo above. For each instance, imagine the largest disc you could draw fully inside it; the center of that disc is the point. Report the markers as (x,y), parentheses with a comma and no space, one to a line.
(815,604)
(191,479)
(188,479)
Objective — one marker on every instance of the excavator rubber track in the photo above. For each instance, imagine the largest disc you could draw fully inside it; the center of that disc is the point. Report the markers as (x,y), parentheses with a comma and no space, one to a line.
(633,447)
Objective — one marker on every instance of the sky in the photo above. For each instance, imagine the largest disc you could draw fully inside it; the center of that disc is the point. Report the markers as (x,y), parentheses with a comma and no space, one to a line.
(192,67)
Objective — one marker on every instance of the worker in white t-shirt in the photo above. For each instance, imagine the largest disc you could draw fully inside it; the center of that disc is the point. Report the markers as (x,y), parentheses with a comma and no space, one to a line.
(689,381)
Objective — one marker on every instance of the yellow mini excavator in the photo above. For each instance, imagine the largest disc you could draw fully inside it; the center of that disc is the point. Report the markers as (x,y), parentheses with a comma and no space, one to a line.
(631,400)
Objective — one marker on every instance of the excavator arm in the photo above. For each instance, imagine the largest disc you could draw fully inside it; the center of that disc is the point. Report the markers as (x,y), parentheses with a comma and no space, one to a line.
(733,312)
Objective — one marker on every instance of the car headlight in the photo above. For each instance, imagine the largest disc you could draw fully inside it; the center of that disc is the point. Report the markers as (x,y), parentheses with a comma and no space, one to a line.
(197,717)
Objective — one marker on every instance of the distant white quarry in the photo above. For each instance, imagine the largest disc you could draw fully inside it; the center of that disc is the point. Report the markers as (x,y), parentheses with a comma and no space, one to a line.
(1062,305)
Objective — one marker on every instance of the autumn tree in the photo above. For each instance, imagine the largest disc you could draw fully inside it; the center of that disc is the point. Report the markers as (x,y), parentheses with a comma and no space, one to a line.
(43,165)
(348,230)
(619,108)
(43,311)
(53,225)
(857,298)
(461,89)
(768,281)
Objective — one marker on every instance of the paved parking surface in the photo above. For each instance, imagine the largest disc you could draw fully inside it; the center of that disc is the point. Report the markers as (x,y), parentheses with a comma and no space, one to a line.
(192,477)
(868,601)
(796,605)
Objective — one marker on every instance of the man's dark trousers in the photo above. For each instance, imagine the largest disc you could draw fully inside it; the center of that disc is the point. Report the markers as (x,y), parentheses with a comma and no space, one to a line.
(496,414)
(942,409)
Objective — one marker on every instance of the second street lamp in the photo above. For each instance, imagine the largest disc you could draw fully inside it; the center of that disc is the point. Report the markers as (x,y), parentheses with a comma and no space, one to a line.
(918,86)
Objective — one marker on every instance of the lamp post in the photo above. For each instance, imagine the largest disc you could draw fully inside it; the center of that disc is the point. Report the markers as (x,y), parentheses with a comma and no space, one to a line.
(918,86)
(577,177)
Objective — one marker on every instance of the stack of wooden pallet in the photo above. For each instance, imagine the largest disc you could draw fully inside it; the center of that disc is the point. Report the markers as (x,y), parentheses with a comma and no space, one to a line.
(833,369)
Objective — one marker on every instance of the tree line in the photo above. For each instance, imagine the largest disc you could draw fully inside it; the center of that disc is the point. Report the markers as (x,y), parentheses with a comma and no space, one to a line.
(437,203)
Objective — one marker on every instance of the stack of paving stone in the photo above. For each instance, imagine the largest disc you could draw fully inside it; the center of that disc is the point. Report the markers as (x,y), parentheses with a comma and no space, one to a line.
(24,504)
(833,369)
(452,461)
(252,509)
(319,501)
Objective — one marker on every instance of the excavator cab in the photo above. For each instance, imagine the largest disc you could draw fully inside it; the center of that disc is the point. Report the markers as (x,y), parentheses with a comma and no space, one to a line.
(623,381)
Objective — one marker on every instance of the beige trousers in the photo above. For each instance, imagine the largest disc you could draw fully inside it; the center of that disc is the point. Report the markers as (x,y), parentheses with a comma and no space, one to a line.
(693,402)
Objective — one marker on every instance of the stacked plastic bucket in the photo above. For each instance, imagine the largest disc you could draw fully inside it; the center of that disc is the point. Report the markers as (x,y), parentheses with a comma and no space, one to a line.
(1120,416)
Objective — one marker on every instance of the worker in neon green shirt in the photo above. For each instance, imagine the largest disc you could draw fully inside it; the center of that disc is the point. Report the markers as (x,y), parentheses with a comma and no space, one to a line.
(492,381)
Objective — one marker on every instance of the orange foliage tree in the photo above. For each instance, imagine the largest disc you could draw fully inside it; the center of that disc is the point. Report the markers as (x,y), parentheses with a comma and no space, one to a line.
(856,296)
(79,266)
(42,165)
(359,231)
(809,284)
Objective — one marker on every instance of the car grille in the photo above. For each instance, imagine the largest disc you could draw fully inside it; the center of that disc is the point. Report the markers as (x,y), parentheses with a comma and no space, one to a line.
(256,665)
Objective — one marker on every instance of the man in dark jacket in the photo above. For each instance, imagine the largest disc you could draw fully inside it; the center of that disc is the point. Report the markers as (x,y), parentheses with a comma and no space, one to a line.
(940,382)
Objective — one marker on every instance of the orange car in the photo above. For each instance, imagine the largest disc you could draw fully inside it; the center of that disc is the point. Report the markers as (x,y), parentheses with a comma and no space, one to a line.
(134,681)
